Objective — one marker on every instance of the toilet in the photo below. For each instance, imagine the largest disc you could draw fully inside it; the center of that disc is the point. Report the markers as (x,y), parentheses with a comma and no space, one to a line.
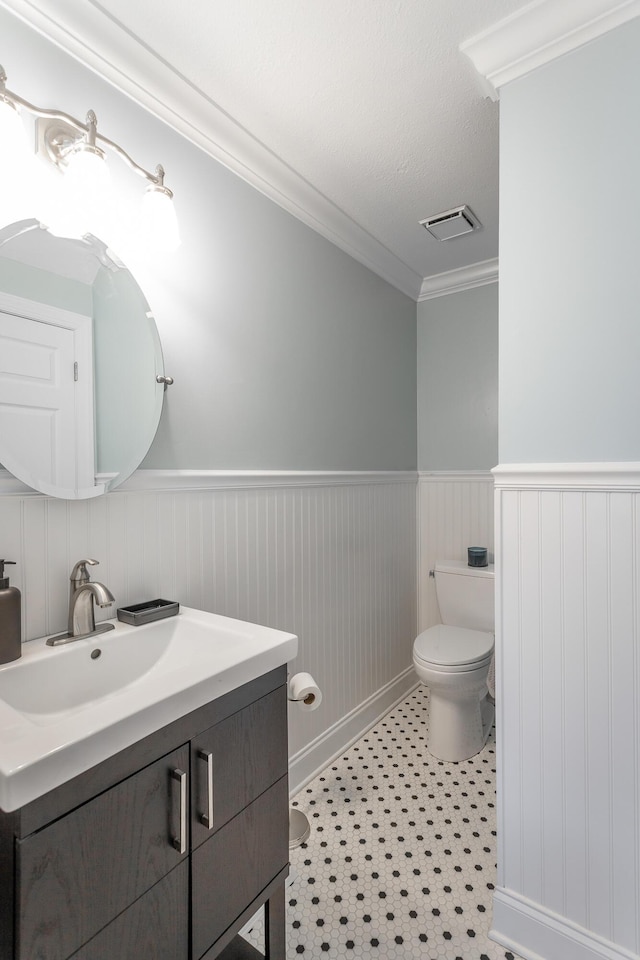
(452,659)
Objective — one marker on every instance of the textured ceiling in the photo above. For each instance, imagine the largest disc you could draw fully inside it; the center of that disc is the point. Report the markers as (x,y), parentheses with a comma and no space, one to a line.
(370,101)
(373,117)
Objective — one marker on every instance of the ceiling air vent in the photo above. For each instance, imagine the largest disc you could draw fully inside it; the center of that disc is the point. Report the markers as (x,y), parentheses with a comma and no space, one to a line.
(452,223)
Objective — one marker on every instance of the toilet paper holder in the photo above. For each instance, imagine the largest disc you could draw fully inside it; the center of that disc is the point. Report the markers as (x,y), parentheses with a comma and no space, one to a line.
(310,699)
(304,690)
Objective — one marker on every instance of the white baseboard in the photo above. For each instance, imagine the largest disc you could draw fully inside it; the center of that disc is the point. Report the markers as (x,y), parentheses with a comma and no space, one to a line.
(518,921)
(333,742)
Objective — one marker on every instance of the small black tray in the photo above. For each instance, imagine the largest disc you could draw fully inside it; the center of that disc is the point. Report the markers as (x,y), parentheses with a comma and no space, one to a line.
(147,612)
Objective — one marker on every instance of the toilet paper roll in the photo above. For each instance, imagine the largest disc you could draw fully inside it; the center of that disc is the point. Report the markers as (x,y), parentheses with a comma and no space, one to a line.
(305,691)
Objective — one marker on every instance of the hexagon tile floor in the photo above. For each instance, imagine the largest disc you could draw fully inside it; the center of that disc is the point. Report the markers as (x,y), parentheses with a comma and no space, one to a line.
(401,860)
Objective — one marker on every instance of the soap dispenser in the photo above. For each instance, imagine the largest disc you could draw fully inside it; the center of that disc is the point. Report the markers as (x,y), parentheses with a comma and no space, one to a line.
(10,619)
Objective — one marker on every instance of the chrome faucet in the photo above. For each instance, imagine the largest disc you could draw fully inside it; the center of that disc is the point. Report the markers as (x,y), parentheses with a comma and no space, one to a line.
(83,594)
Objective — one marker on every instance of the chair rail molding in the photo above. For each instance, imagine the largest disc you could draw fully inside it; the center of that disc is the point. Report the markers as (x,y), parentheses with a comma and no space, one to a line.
(215,479)
(609,475)
(539,33)
(155,481)
(466,476)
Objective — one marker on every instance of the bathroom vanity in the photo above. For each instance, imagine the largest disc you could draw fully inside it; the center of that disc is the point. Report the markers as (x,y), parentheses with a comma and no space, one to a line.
(175,831)
(165,850)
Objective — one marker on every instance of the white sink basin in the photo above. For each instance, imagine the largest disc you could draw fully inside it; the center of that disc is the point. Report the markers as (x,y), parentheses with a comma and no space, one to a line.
(65,709)
(42,686)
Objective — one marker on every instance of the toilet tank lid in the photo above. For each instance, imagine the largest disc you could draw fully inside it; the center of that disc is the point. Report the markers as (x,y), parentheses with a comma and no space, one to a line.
(462,567)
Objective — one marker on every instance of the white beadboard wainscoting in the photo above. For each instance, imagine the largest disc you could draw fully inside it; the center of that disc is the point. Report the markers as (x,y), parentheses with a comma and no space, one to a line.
(328,556)
(455,511)
(568,710)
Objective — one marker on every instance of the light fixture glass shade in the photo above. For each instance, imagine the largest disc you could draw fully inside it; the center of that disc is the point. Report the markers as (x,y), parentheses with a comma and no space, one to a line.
(13,136)
(68,188)
(159,221)
(16,167)
(87,171)
(86,199)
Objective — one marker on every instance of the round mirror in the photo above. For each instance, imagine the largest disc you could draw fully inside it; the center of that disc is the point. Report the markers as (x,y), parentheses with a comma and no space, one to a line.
(79,358)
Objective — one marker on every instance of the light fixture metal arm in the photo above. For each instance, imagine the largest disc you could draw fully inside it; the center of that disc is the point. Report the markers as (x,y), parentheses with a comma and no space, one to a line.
(83,129)
(155,178)
(39,111)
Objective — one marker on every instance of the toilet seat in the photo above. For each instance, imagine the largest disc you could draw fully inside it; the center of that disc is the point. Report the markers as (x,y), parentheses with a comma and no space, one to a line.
(453,648)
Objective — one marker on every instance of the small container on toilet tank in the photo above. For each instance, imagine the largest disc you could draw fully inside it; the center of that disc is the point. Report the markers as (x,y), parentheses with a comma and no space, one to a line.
(477,557)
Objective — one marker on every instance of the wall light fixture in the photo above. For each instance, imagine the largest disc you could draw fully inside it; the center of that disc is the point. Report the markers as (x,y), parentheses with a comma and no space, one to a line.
(78,150)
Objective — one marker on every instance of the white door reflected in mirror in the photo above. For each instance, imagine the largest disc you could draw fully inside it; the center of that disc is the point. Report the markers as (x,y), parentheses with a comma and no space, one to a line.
(46,398)
(79,358)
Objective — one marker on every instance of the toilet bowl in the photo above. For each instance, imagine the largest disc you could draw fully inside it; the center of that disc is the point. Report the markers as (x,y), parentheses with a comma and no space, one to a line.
(460,714)
(453,661)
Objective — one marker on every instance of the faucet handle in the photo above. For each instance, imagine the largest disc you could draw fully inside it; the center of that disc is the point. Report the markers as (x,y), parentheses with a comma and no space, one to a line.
(80,574)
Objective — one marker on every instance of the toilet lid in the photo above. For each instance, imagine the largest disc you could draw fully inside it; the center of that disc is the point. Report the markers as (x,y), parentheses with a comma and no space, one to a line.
(445,645)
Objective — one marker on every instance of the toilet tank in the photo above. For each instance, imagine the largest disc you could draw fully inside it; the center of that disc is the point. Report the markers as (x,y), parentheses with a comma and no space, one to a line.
(466,595)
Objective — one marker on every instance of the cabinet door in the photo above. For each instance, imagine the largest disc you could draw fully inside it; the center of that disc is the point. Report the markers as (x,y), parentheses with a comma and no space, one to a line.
(237,760)
(77,874)
(232,868)
(155,927)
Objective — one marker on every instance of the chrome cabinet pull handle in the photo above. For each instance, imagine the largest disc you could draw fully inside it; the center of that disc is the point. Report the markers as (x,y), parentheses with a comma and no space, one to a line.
(180,842)
(207,818)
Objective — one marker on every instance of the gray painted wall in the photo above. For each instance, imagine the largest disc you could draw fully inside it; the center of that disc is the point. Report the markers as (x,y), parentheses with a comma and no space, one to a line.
(286,353)
(569,246)
(458,380)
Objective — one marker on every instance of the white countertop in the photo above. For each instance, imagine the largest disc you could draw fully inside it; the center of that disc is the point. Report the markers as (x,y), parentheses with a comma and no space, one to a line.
(62,711)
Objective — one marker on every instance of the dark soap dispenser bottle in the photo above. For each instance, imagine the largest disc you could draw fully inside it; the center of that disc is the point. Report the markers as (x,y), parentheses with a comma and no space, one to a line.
(10,618)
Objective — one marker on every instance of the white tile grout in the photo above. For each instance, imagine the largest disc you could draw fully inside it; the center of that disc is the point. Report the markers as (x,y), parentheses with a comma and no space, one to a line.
(401,860)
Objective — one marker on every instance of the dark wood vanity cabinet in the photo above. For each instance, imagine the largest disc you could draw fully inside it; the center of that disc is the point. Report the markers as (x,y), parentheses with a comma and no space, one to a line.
(163,851)
(240,823)
(74,876)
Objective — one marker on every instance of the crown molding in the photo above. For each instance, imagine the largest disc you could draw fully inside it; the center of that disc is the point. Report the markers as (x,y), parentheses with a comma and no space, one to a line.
(538,34)
(92,37)
(464,278)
